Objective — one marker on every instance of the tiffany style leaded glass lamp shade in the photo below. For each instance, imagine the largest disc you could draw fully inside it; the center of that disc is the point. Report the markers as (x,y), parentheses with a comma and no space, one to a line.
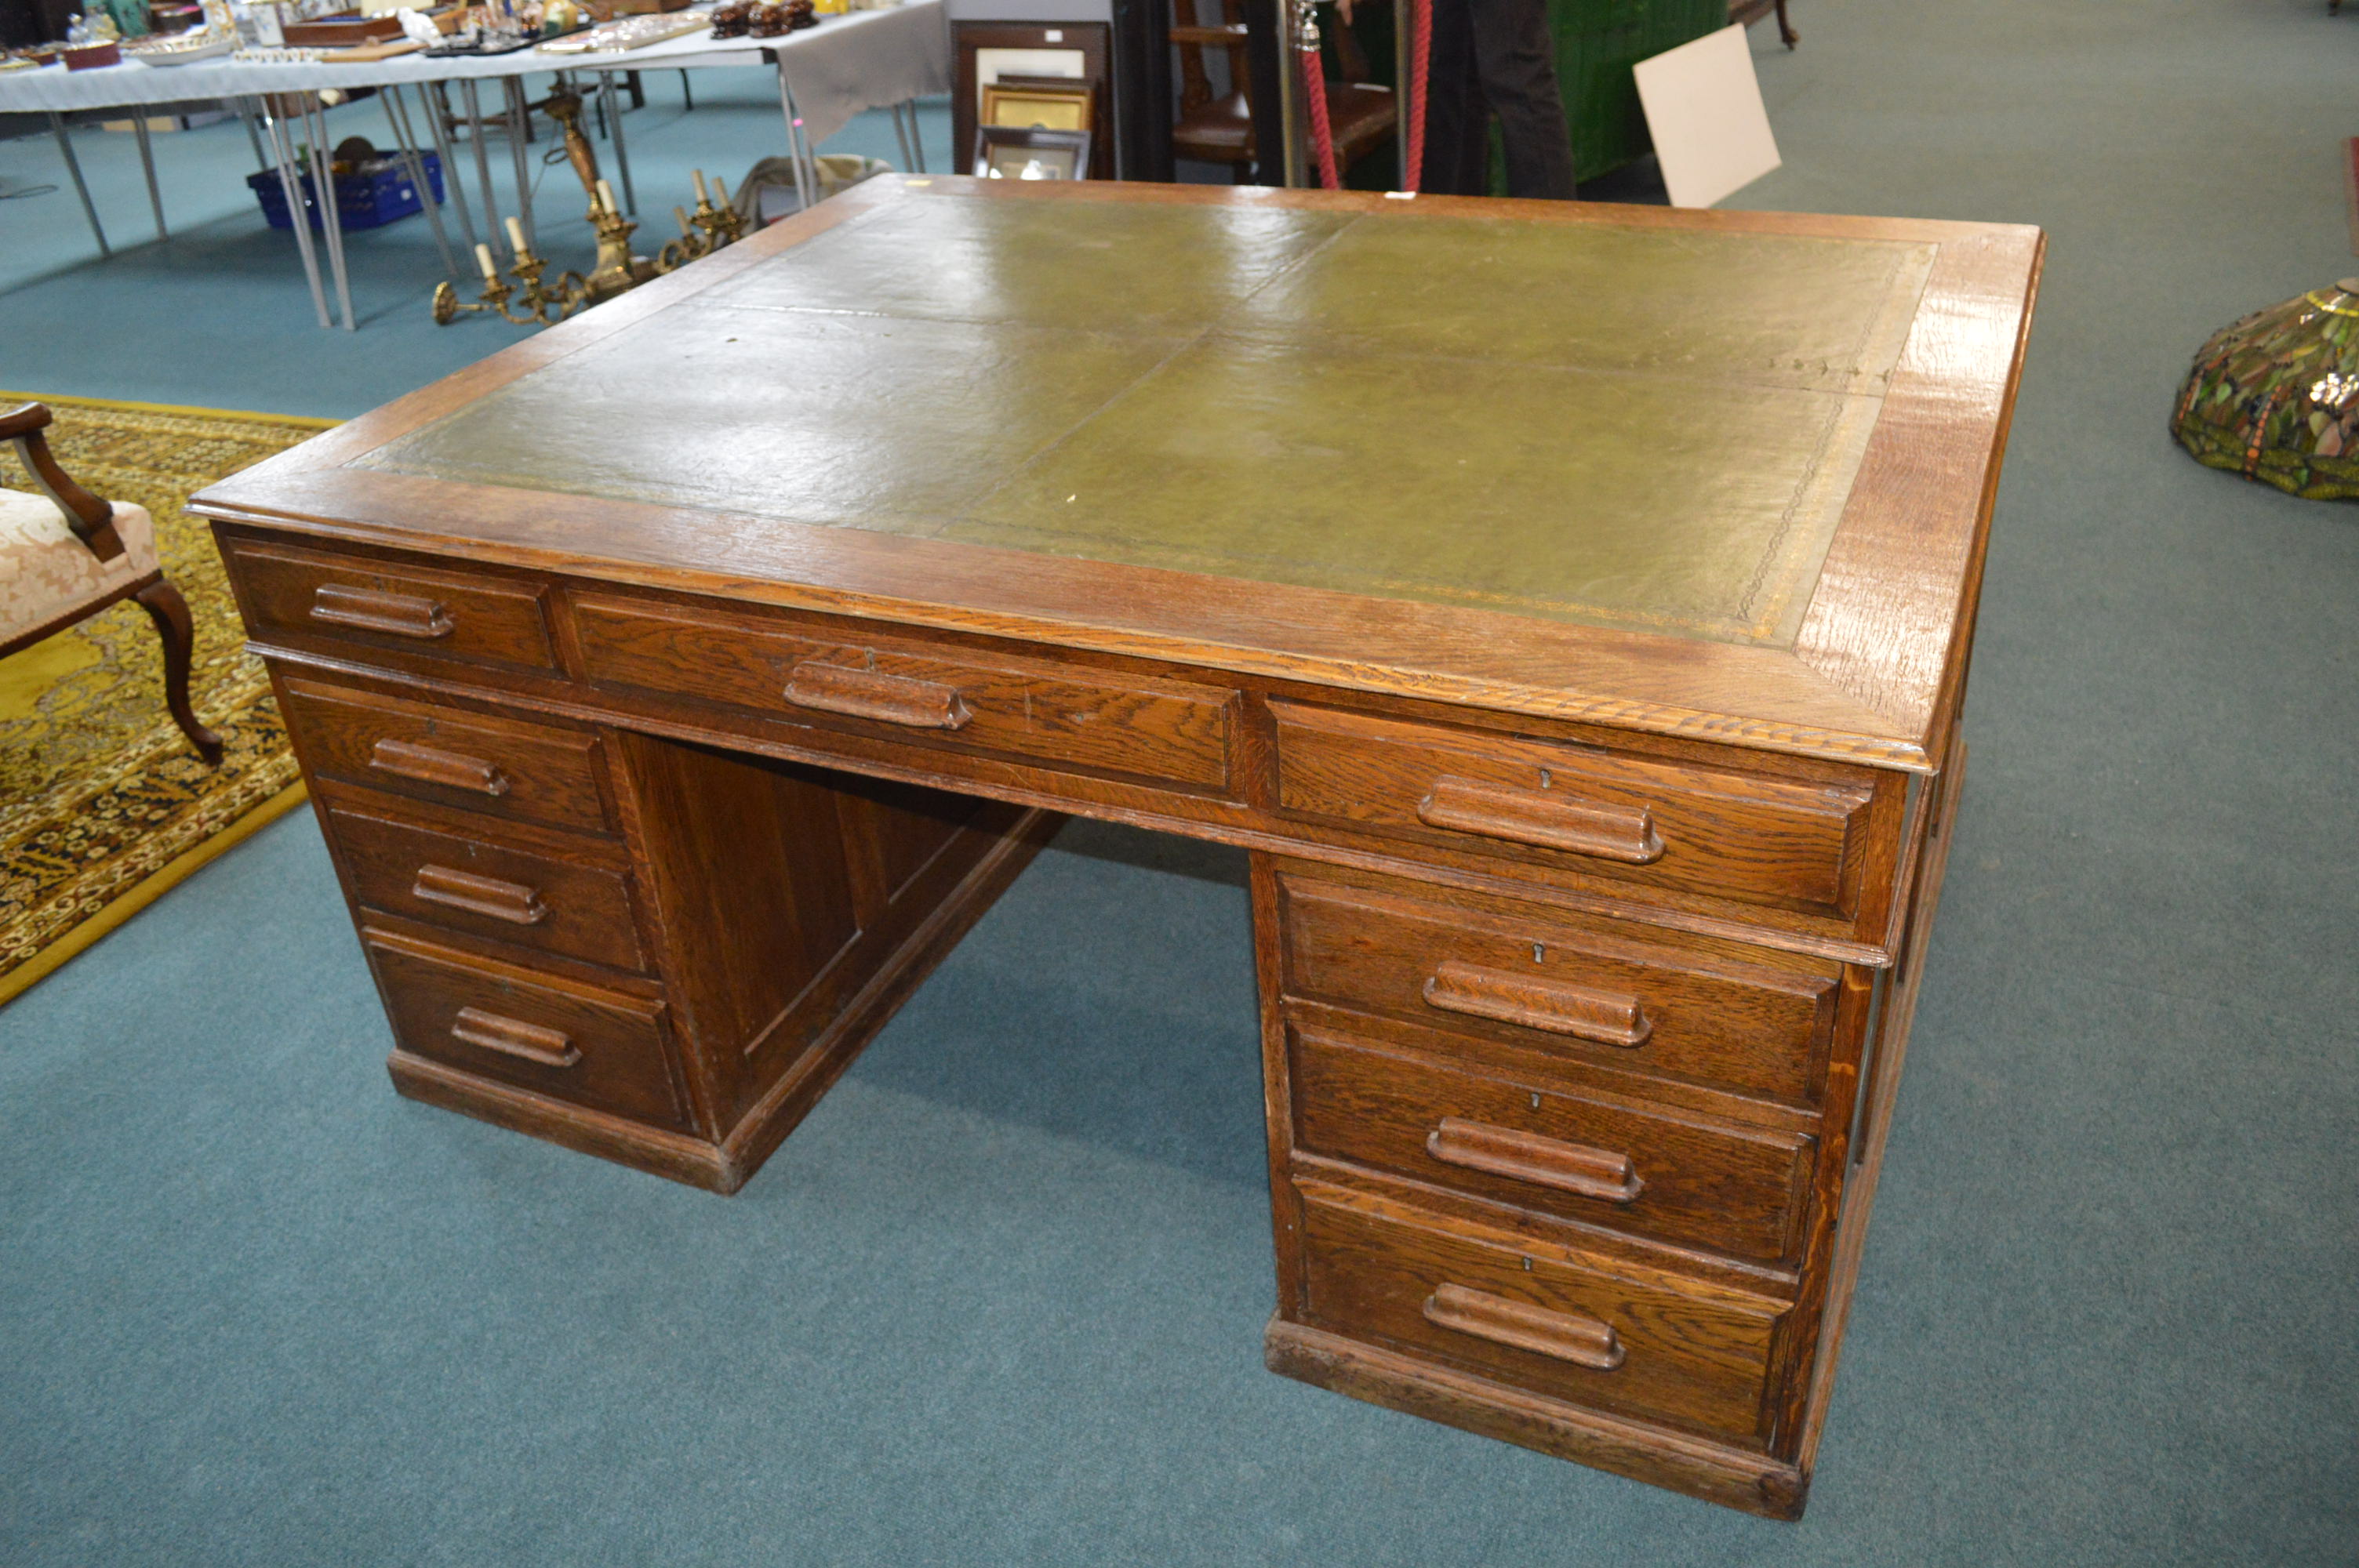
(2276,397)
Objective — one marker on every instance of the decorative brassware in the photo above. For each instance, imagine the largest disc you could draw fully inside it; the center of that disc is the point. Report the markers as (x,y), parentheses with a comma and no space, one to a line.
(713,225)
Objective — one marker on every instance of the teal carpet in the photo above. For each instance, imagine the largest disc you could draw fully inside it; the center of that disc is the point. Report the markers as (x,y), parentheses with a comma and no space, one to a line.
(999,1301)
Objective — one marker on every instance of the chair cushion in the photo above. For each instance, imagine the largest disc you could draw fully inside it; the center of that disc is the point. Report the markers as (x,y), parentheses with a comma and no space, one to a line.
(46,573)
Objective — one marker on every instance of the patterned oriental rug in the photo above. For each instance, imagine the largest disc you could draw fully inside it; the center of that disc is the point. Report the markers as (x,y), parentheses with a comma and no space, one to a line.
(103,805)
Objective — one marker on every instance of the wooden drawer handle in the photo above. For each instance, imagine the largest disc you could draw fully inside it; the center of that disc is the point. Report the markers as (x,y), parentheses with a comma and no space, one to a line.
(514,1037)
(401,614)
(408,759)
(1543,817)
(873,694)
(511,901)
(1567,1336)
(1529,1157)
(1558,1006)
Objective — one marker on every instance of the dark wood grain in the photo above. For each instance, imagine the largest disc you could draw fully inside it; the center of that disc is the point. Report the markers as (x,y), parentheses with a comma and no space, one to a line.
(1012,707)
(410,868)
(1754,1022)
(1717,831)
(1696,1359)
(1733,1189)
(532,772)
(621,1050)
(440,615)
(1717,1471)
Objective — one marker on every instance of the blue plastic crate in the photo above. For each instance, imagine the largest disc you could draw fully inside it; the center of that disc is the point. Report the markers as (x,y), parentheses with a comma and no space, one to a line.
(368,197)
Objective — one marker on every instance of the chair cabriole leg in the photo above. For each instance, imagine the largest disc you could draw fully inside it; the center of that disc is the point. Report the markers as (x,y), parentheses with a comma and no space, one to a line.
(169,612)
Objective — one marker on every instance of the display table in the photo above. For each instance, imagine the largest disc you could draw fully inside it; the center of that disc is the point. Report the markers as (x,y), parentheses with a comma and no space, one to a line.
(827,74)
(1580,656)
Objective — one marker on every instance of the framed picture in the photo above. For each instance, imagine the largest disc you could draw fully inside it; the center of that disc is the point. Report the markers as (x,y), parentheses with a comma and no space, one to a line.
(1075,54)
(1051,102)
(1012,152)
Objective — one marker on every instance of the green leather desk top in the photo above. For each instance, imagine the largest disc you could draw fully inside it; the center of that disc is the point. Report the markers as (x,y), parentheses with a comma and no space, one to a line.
(1651,428)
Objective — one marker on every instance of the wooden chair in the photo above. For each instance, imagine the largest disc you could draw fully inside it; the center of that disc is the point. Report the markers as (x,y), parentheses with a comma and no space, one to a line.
(1745,13)
(1220,130)
(65,555)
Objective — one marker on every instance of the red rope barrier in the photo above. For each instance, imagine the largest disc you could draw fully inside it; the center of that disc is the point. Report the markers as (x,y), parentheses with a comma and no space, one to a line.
(1322,134)
(1421,70)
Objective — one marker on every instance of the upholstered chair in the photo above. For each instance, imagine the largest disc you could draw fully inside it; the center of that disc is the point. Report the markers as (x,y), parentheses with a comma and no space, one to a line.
(65,555)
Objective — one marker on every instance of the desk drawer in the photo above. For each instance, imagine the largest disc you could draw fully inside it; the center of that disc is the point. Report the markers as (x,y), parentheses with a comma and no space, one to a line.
(576,1043)
(1584,809)
(412,609)
(1528,1141)
(526,772)
(1633,999)
(1058,715)
(489,890)
(1684,1353)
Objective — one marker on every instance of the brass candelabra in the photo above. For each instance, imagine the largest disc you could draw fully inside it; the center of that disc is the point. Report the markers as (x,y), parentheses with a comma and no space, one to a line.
(715,224)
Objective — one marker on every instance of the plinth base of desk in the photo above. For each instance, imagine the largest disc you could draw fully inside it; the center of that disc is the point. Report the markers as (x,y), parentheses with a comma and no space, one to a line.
(1733,1477)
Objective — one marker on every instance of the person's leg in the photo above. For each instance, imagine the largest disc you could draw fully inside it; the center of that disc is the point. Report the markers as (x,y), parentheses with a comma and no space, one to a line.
(1457,120)
(1514,54)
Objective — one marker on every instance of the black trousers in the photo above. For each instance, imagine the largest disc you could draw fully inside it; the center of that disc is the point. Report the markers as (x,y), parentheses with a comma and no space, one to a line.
(1495,57)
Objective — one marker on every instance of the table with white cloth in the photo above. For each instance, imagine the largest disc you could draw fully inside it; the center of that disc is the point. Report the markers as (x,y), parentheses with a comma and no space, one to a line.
(827,74)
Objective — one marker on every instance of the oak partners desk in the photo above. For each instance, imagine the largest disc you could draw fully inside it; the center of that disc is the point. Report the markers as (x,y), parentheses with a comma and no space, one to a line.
(1568,606)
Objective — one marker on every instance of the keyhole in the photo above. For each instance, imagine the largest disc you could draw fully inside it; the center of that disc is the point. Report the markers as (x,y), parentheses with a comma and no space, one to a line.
(1536,1102)
(1527,1265)
(1539,952)
(1545,779)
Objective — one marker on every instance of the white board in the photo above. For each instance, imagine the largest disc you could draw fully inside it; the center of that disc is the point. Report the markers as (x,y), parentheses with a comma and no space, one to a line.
(1704,109)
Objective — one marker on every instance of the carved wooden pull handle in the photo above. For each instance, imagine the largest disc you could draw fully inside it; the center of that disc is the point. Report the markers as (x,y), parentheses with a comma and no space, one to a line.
(408,759)
(1559,1007)
(1543,817)
(514,1037)
(511,901)
(873,694)
(1567,1336)
(1529,1157)
(400,614)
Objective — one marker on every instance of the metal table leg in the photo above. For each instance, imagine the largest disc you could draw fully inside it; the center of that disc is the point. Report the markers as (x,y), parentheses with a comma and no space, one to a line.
(901,135)
(148,166)
(450,185)
(516,112)
(406,137)
(282,147)
(493,236)
(323,188)
(253,137)
(622,157)
(806,177)
(73,166)
(918,140)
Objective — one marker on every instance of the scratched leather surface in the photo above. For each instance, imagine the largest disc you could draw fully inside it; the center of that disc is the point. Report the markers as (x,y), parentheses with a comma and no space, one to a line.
(1617,425)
